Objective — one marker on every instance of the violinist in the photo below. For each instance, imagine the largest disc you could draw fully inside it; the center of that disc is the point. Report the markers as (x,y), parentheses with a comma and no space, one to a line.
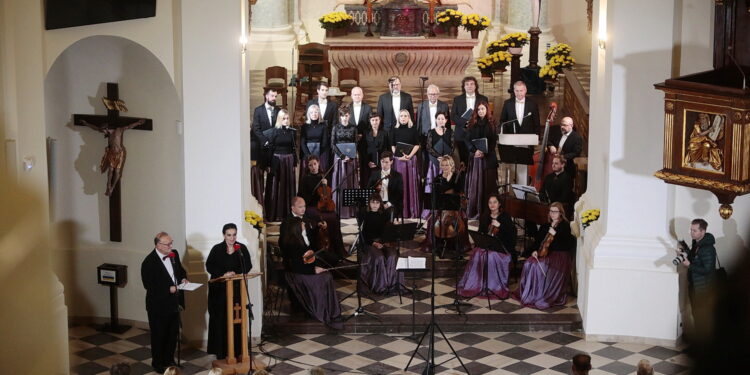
(374,143)
(546,272)
(306,274)
(497,223)
(281,182)
(312,187)
(389,183)
(379,262)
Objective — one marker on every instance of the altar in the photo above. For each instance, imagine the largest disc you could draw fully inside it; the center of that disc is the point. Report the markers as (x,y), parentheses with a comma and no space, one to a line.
(407,57)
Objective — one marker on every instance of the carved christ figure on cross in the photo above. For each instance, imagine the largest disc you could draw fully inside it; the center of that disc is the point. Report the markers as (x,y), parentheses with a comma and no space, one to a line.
(114,156)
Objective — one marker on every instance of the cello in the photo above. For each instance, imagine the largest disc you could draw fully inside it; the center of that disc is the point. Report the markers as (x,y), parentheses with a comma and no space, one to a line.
(325,195)
(542,161)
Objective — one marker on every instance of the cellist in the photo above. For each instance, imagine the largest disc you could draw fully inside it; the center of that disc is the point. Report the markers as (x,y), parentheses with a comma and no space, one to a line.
(312,189)
(546,272)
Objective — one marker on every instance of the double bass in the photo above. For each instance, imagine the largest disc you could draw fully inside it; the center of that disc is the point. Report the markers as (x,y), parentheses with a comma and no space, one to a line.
(542,161)
(325,195)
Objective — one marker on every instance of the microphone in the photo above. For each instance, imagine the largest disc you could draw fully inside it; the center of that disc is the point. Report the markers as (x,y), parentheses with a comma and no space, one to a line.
(521,119)
(744,79)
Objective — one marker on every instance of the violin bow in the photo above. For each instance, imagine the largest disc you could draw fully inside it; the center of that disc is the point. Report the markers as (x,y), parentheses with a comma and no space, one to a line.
(324,176)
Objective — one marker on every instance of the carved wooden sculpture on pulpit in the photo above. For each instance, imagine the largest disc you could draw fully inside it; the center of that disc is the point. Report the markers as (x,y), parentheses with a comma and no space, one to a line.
(707,115)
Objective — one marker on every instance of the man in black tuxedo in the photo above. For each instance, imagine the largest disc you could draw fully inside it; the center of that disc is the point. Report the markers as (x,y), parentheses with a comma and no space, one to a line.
(558,185)
(520,115)
(328,109)
(392,185)
(392,102)
(359,111)
(161,273)
(468,99)
(567,142)
(264,118)
(426,119)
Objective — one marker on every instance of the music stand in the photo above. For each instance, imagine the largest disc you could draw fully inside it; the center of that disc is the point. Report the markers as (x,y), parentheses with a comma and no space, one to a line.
(414,277)
(514,149)
(358,198)
(488,243)
(397,233)
(449,202)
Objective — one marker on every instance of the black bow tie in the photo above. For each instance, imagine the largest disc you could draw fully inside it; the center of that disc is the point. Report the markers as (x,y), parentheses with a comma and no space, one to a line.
(165,257)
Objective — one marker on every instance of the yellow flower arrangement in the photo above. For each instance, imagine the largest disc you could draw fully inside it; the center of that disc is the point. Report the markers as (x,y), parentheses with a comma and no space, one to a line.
(475,22)
(449,18)
(558,56)
(496,61)
(496,46)
(516,39)
(558,49)
(590,216)
(254,219)
(335,20)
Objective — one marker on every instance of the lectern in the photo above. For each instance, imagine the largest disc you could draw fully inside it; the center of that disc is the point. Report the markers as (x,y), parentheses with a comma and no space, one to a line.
(237,314)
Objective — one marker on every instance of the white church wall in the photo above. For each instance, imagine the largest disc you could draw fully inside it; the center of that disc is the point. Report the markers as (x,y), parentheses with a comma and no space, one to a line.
(152,193)
(569,24)
(154,33)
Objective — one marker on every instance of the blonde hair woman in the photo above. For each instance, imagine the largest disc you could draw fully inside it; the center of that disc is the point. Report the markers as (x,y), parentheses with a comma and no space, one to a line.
(405,145)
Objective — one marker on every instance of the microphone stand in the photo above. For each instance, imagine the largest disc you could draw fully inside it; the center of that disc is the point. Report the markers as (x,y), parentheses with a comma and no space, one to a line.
(249,310)
(179,313)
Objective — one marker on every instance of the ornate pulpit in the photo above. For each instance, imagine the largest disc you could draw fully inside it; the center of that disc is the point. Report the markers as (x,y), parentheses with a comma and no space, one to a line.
(707,115)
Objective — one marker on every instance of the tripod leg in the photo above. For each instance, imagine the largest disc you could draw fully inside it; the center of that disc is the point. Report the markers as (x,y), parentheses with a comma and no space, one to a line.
(419,343)
(452,349)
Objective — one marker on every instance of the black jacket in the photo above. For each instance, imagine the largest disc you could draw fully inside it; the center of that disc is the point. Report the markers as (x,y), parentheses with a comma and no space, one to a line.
(529,125)
(458,109)
(424,121)
(157,281)
(386,110)
(257,139)
(395,187)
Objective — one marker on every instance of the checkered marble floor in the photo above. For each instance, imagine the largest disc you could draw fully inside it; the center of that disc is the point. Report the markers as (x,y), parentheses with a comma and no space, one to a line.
(93,352)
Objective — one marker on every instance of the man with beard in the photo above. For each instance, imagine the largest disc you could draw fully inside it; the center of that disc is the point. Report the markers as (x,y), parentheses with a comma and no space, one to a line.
(264,118)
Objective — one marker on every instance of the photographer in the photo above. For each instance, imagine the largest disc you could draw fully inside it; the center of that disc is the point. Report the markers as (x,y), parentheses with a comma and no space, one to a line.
(701,263)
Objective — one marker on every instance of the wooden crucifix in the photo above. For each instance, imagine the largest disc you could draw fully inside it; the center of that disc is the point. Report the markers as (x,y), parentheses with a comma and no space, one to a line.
(113,126)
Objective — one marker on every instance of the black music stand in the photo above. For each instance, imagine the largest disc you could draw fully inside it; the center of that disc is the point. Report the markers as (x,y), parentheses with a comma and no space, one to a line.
(530,195)
(397,233)
(414,277)
(358,198)
(430,329)
(488,243)
(449,202)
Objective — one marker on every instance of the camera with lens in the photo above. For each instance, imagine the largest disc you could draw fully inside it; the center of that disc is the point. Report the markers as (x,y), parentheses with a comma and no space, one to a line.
(683,253)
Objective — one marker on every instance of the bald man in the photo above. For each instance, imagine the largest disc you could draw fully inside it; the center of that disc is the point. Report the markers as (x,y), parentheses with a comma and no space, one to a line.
(567,142)
(359,111)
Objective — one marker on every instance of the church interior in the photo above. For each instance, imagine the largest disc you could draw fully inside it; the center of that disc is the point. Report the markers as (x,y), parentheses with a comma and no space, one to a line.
(656,93)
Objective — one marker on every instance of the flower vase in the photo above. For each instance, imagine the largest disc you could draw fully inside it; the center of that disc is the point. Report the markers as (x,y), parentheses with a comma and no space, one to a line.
(453,31)
(337,32)
(474,34)
(515,50)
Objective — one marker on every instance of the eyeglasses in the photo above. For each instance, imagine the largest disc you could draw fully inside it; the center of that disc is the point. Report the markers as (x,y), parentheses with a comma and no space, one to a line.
(165,244)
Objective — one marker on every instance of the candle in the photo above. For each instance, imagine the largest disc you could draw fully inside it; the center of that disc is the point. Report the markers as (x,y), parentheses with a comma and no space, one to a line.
(369,11)
(432,11)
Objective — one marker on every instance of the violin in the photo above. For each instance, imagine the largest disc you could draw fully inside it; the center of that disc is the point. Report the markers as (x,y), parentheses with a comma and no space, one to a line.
(324,240)
(492,230)
(325,195)
(450,223)
(548,238)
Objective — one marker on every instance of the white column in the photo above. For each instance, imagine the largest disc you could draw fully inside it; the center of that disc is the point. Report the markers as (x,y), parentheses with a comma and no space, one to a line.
(272,37)
(299,27)
(519,20)
(216,138)
(624,259)
(496,22)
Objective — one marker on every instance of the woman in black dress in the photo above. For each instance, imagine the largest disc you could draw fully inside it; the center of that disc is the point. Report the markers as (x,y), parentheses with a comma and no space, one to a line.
(406,163)
(281,186)
(379,261)
(227,258)
(481,179)
(375,142)
(345,174)
(314,139)
(439,144)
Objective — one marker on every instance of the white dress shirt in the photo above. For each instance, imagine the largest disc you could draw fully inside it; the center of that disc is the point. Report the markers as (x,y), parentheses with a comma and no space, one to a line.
(356,109)
(384,185)
(167,264)
(562,142)
(433,111)
(269,111)
(304,230)
(519,114)
(323,104)
(470,101)
(396,102)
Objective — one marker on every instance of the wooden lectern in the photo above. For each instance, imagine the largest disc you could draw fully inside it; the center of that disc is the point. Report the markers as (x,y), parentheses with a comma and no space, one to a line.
(237,314)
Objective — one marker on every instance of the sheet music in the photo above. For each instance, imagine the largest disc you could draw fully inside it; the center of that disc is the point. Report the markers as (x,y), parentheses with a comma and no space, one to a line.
(411,263)
(521,191)
(189,286)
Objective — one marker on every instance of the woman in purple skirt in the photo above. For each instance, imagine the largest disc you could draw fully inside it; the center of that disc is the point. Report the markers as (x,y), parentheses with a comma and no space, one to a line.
(496,262)
(280,184)
(481,180)
(379,261)
(345,176)
(308,281)
(373,143)
(544,280)
(314,140)
(405,133)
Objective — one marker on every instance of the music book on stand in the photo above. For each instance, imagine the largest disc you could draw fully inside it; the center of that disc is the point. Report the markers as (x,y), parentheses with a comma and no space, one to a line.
(411,263)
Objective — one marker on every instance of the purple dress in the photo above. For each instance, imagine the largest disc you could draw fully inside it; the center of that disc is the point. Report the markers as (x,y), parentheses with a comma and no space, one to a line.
(544,281)
(281,184)
(409,170)
(481,180)
(496,262)
(379,265)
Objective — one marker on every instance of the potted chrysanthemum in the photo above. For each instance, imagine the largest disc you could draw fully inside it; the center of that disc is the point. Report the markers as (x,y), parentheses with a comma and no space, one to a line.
(474,23)
(336,23)
(450,20)
(515,42)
